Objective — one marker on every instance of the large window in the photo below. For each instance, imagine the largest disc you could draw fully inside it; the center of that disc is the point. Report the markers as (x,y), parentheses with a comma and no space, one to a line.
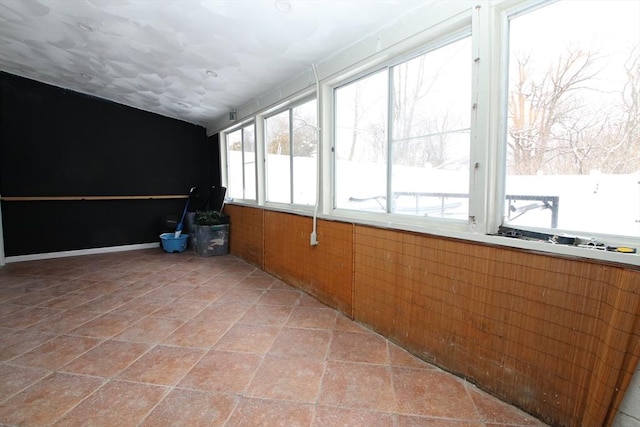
(522,114)
(402,136)
(573,131)
(291,147)
(241,163)
(361,144)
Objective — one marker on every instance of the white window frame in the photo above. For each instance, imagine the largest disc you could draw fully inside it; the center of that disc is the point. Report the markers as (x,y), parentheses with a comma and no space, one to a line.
(488,20)
(419,223)
(263,118)
(503,13)
(224,160)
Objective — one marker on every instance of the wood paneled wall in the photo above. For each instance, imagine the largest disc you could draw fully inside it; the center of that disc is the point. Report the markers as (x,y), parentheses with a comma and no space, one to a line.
(555,336)
(247,239)
(279,244)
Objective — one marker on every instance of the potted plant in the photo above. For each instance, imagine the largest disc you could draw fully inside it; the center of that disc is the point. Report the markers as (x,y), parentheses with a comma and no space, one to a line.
(212,233)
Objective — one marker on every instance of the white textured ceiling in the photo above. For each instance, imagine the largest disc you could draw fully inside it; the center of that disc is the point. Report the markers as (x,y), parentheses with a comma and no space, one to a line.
(191,60)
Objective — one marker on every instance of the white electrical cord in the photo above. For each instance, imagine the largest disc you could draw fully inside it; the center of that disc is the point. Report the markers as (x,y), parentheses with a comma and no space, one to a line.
(314,235)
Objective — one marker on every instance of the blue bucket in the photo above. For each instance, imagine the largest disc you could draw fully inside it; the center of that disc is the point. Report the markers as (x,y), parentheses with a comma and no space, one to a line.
(171,244)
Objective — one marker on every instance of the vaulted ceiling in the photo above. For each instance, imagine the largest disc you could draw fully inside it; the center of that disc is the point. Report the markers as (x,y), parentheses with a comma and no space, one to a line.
(186,59)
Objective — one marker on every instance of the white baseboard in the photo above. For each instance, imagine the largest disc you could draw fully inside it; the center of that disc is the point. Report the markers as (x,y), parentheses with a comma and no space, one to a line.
(62,254)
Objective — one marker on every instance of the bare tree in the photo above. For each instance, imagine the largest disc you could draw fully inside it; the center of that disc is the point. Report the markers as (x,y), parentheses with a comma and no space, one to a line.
(278,134)
(368,133)
(539,108)
(421,137)
(357,115)
(623,151)
(555,129)
(305,137)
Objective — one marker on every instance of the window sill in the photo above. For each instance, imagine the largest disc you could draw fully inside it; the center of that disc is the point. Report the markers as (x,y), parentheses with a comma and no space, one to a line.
(457,230)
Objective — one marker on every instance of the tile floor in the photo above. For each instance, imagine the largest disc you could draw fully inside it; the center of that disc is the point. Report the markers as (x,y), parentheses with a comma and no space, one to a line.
(146,338)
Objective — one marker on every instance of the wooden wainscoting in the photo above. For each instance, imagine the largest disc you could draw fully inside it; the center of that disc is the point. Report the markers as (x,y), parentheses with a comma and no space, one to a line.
(556,336)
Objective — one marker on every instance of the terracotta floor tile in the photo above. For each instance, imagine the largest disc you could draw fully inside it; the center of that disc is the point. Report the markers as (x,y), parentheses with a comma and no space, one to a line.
(134,273)
(63,271)
(433,393)
(102,288)
(303,343)
(329,416)
(194,278)
(287,379)
(41,281)
(257,281)
(27,317)
(150,330)
(77,286)
(204,293)
(56,352)
(15,378)
(355,385)
(138,289)
(6,308)
(10,277)
(241,295)
(270,413)
(69,300)
(289,298)
(154,339)
(190,408)
(418,421)
(117,403)
(47,400)
(235,267)
(16,342)
(92,292)
(130,295)
(39,297)
(142,306)
(104,303)
(151,281)
(312,317)
(171,290)
(225,281)
(248,338)
(197,333)
(343,323)
(222,371)
(311,302)
(162,365)
(358,347)
(66,321)
(494,411)
(181,309)
(229,313)
(178,270)
(105,326)
(9,294)
(401,358)
(266,315)
(107,359)
(281,285)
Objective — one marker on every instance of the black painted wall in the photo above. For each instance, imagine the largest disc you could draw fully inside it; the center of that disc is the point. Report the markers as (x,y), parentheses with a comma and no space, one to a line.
(55,142)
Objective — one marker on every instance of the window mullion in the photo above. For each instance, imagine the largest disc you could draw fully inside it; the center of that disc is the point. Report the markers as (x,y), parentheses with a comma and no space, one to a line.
(244,189)
(291,155)
(390,112)
(260,142)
